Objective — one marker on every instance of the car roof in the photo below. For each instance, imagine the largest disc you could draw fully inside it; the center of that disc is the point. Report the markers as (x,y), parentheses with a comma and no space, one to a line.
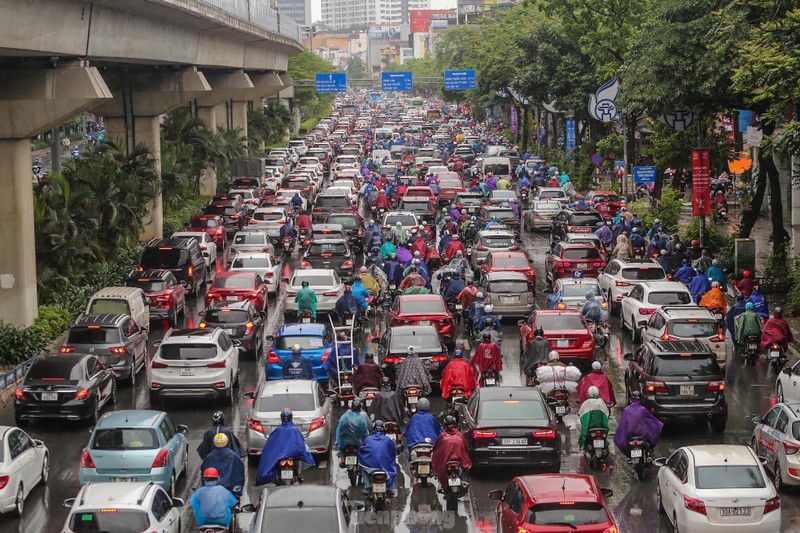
(288,386)
(558,487)
(130,418)
(551,189)
(100,320)
(653,286)
(686,311)
(251,255)
(577,245)
(506,254)
(189,333)
(331,240)
(235,274)
(504,393)
(113,495)
(117,292)
(300,495)
(557,312)
(578,281)
(306,330)
(721,454)
(420,297)
(496,233)
(637,262)
(506,275)
(678,347)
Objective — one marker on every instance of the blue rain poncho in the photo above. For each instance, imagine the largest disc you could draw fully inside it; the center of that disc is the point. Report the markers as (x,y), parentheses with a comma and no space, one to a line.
(422,426)
(284,441)
(212,505)
(352,430)
(378,451)
(229,465)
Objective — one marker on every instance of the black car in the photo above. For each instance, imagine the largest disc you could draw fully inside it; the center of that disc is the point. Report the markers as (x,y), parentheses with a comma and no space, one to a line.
(66,386)
(326,204)
(240,320)
(233,214)
(429,346)
(678,379)
(420,206)
(330,253)
(470,201)
(351,225)
(182,257)
(510,426)
(574,221)
(465,152)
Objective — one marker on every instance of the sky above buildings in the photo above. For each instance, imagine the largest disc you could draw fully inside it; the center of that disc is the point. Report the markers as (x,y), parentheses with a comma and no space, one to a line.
(316,7)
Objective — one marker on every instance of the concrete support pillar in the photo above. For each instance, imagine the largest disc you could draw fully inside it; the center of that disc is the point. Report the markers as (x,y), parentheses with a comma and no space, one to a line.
(239,116)
(795,181)
(208,180)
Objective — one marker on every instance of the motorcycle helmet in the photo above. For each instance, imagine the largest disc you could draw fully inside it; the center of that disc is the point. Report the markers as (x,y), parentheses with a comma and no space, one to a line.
(539,333)
(347,288)
(305,284)
(392,256)
(220,440)
(479,295)
(210,475)
(356,279)
(399,224)
(746,274)
(363,269)
(458,353)
(424,404)
(371,222)
(749,306)
(553,356)
(488,308)
(487,337)
(218,418)
(355,405)
(296,349)
(377,426)
(449,421)
(386,383)
(286,415)
(593,392)
(597,365)
(589,295)
(636,396)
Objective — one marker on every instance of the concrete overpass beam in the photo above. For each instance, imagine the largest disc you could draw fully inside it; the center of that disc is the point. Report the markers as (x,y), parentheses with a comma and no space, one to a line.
(266,85)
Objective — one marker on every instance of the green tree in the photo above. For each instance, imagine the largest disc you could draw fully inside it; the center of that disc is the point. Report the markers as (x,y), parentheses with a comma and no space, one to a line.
(355,69)
(305,66)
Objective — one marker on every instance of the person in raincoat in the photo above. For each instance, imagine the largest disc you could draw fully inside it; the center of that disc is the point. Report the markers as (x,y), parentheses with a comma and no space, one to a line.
(453,289)
(423,427)
(387,249)
(458,373)
(285,441)
(360,292)
(597,378)
(746,285)
(714,298)
(503,184)
(393,269)
(369,282)
(218,426)
(352,429)
(487,357)
(730,319)
(347,303)
(386,405)
(414,279)
(665,261)
(228,464)
(419,245)
(491,182)
(413,372)
(378,452)
(212,503)
(455,245)
(699,286)
(703,262)
(621,250)
(593,414)
(685,274)
(449,446)
(476,310)
(368,374)
(400,234)
(715,274)
(776,329)
(637,421)
(297,366)
(568,188)
(535,354)
(604,234)
(306,299)
(564,178)
(748,324)
(460,263)
(760,303)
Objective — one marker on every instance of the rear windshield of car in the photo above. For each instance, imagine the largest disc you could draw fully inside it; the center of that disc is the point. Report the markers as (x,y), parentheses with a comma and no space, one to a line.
(147,285)
(567,513)
(203,223)
(295,402)
(580,290)
(338,248)
(164,257)
(499,241)
(581,253)
(221,211)
(56,369)
(547,206)
(520,262)
(313,281)
(346,222)
(686,329)
(512,286)
(305,342)
(188,352)
(693,365)
(427,342)
(606,198)
(307,518)
(226,316)
(559,322)
(250,262)
(497,195)
(321,154)
(93,335)
(125,439)
(501,214)
(415,205)
(469,200)
(511,410)
(249,238)
(116,520)
(498,169)
(234,282)
(109,306)
(669,298)
(420,307)
(729,477)
(450,184)
(245,183)
(549,195)
(332,202)
(643,274)
(585,219)
(404,220)
(258,215)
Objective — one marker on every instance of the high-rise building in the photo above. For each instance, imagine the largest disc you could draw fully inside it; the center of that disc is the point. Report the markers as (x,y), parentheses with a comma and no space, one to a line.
(339,14)
(299,10)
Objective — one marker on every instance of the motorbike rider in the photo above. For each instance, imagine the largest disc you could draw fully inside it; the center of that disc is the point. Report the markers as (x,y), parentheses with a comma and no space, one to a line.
(637,421)
(468,295)
(444,241)
(454,246)
(475,311)
(386,404)
(745,285)
(776,330)
(382,201)
(347,303)
(352,429)
(344,350)
(306,300)
(604,234)
(369,282)
(303,223)
(419,245)
(715,273)
(759,301)
(665,261)
(212,503)
(228,463)
(360,292)
(730,319)
(699,286)
(413,279)
(367,374)
(704,261)
(423,427)
(592,309)
(450,445)
(285,441)
(287,230)
(685,274)
(593,414)
(297,366)
(637,241)
(378,452)
(480,324)
(452,289)
(714,298)
(372,226)
(413,372)
(597,378)
(487,357)
(218,426)
(458,373)
(536,353)
(400,234)
(393,270)
(297,201)
(748,324)
(581,202)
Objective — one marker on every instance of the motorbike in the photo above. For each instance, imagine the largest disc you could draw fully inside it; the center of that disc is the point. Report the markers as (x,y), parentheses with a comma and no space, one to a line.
(351,464)
(640,455)
(394,290)
(523,196)
(392,430)
(558,400)
(638,252)
(368,394)
(288,246)
(289,472)
(378,492)
(345,391)
(489,379)
(421,455)
(411,397)
(596,447)
(456,486)
(776,357)
(348,318)
(381,213)
(601,332)
(457,395)
(720,215)
(751,349)
(718,316)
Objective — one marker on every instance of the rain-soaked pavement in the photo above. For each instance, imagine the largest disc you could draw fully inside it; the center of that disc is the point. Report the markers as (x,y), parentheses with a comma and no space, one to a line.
(417,509)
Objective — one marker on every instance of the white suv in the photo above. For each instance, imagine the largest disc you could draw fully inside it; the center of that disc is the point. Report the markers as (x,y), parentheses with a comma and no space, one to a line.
(619,277)
(645,298)
(194,362)
(123,507)
(687,323)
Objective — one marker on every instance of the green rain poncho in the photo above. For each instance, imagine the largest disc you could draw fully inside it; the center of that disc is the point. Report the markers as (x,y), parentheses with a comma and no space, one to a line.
(306,299)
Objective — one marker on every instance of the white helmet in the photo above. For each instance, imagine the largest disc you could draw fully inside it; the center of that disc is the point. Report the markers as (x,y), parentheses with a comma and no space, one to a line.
(399,224)
(411,350)
(593,392)
(488,308)
(553,355)
(597,365)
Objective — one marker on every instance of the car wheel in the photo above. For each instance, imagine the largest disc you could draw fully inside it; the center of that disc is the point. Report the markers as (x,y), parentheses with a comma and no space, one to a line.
(45,470)
(636,333)
(777,478)
(185,472)
(661,509)
(19,502)
(92,419)
(779,392)
(227,394)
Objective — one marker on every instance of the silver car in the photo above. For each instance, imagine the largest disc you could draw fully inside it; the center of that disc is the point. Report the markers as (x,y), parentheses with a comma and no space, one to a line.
(492,240)
(251,241)
(324,282)
(777,438)
(265,265)
(510,293)
(304,508)
(310,406)
(540,214)
(552,193)
(407,219)
(268,220)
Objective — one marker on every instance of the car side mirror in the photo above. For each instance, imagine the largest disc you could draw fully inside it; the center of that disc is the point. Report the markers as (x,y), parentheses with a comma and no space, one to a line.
(237,343)
(269,338)
(178,502)
(249,395)
(38,443)
(628,357)
(520,322)
(787,371)
(68,503)
(247,508)
(496,494)
(183,428)
(607,493)
(661,461)
(157,343)
(763,460)
(757,420)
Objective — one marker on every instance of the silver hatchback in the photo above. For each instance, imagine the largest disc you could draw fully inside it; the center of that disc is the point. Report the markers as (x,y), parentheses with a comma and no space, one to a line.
(492,240)
(510,293)
(540,214)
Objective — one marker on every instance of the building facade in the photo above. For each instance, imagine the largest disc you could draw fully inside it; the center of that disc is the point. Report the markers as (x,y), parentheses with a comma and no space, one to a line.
(299,10)
(340,14)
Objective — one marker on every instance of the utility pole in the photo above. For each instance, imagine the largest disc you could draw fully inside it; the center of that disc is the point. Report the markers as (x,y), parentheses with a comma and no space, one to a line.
(311,31)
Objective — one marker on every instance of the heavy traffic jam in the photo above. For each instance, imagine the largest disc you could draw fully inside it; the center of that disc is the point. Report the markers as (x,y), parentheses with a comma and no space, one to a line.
(400,321)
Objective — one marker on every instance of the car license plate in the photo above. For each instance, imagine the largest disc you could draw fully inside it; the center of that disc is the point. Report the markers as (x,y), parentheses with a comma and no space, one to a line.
(718,316)
(561,409)
(287,474)
(687,390)
(348,321)
(379,488)
(413,399)
(599,443)
(774,354)
(562,343)
(424,469)
(509,299)
(306,320)
(636,453)
(459,307)
(187,371)
(424,323)
(351,460)
(50,396)
(369,402)
(123,479)
(393,286)
(734,511)
(454,482)
(232,298)
(490,382)
(230,331)
(392,437)
(583,265)
(752,346)
(514,442)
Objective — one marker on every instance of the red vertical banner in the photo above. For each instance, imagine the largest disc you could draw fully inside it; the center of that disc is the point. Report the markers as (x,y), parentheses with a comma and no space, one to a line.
(701,182)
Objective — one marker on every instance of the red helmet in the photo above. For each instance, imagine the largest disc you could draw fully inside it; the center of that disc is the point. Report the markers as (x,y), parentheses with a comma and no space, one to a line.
(210,473)
(746,274)
(694,242)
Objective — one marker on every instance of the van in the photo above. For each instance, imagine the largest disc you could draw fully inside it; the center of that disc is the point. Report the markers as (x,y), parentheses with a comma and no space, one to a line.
(182,257)
(498,166)
(131,301)
(383,134)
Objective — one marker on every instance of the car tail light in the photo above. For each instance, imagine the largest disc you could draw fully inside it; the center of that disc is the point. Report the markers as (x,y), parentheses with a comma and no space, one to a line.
(715,386)
(719,337)
(772,504)
(219,231)
(190,271)
(273,358)
(201,325)
(317,423)
(266,250)
(119,350)
(622,284)
(643,311)
(253,295)
(66,349)
(325,355)
(482,248)
(161,459)
(255,425)
(218,364)
(788,447)
(347,264)
(291,294)
(305,264)
(249,327)
(657,387)
(331,293)
(480,434)
(562,264)
(156,364)
(4,481)
(392,360)
(667,337)
(81,394)
(439,358)
(19,395)
(86,460)
(269,274)
(696,505)
(611,529)
(234,217)
(545,433)
(561,305)
(587,344)
(140,268)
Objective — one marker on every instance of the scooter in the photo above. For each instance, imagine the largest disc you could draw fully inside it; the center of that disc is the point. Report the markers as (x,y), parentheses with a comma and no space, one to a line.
(455,487)
(558,400)
(378,493)
(305,317)
(392,430)
(367,395)
(489,379)
(289,472)
(640,455)
(288,246)
(421,455)
(457,395)
(601,332)
(751,349)
(718,316)
(345,392)
(351,464)
(596,447)
(411,397)
(777,359)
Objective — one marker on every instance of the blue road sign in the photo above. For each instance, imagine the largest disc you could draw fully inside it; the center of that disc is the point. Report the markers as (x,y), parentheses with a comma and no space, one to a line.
(459,80)
(644,174)
(619,163)
(570,137)
(396,81)
(331,83)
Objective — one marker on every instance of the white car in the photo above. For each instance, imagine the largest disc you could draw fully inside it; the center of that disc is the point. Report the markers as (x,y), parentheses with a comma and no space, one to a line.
(262,264)
(207,245)
(407,219)
(250,197)
(717,487)
(123,506)
(647,297)
(269,220)
(24,463)
(620,275)
(289,194)
(324,282)
(194,363)
(252,241)
(787,386)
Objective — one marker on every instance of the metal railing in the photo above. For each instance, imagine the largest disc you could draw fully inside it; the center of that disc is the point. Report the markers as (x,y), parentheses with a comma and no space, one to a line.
(12,378)
(259,13)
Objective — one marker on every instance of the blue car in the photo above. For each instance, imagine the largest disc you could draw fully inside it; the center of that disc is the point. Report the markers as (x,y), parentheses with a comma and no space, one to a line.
(316,343)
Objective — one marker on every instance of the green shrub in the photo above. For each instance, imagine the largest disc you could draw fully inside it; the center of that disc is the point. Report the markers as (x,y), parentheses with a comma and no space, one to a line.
(52,320)
(19,344)
(176,219)
(793,300)
(668,212)
(716,240)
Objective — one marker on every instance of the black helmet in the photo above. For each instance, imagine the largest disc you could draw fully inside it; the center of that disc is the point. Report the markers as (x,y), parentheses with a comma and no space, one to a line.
(487,337)
(218,418)
(377,426)
(539,332)
(386,382)
(355,405)
(305,283)
(449,421)
(286,415)
(636,395)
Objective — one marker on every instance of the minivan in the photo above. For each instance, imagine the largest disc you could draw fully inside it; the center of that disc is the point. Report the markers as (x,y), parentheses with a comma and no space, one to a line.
(182,257)
(500,167)
(131,301)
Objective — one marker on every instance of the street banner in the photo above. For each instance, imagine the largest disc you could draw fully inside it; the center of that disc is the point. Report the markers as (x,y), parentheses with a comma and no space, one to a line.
(701,182)
(570,137)
(514,120)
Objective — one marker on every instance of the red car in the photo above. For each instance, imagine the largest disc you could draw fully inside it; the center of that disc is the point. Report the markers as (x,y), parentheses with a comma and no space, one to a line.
(236,286)
(450,185)
(566,258)
(424,310)
(553,503)
(167,296)
(211,224)
(607,203)
(565,330)
(420,190)
(508,262)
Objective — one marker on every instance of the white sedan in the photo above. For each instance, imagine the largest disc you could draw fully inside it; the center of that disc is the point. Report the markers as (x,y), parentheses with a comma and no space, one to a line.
(206,242)
(645,298)
(24,463)
(262,264)
(787,386)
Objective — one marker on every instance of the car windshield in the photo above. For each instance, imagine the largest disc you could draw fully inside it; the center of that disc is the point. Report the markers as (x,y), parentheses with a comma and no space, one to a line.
(585,219)
(188,352)
(116,520)
(606,198)
(233,282)
(306,342)
(505,195)
(125,439)
(332,202)
(499,169)
(250,262)
(513,261)
(203,223)
(295,402)
(249,238)
(313,281)
(425,342)
(111,306)
(573,290)
(226,316)
(549,195)
(221,210)
(581,253)
(415,205)
(643,274)
(502,214)
(563,513)
(245,183)
(559,322)
(498,241)
(469,200)
(511,410)
(422,307)
(692,365)
(55,369)
(669,298)
(404,220)
(345,221)
(512,286)
(547,206)
(450,184)
(729,477)
(166,258)
(147,285)
(93,335)
(327,249)
(267,217)
(294,519)
(696,328)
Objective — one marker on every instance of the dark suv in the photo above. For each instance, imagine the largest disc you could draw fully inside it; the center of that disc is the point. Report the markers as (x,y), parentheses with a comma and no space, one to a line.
(678,379)
(351,225)
(240,320)
(232,212)
(330,253)
(182,257)
(574,221)
(393,349)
